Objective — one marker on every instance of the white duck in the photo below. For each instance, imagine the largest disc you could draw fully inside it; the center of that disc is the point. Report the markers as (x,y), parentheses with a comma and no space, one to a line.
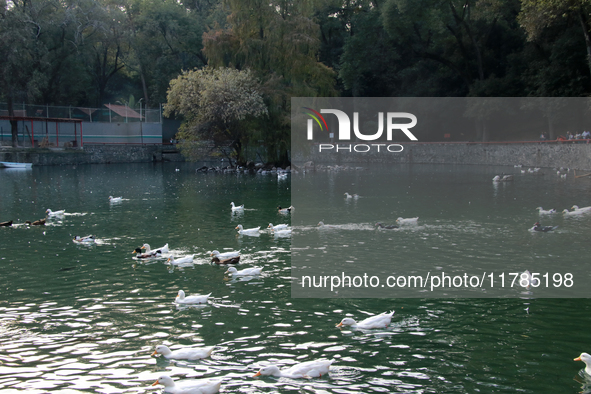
(200,386)
(194,299)
(237,208)
(87,239)
(183,260)
(322,225)
(245,272)
(354,196)
(282,233)
(163,249)
(190,353)
(224,256)
(546,211)
(576,212)
(308,369)
(407,220)
(242,230)
(586,358)
(51,213)
(278,227)
(584,209)
(378,321)
(115,199)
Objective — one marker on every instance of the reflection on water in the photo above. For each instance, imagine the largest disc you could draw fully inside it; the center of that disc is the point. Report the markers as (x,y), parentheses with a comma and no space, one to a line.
(85,318)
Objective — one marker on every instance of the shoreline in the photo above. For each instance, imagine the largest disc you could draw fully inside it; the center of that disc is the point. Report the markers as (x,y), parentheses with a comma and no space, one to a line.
(528,154)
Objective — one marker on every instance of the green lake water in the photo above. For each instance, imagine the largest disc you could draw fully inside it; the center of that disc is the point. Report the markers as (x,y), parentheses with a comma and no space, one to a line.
(76,318)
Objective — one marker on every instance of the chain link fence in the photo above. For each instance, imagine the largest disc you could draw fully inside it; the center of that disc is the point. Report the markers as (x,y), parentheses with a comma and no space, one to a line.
(110,113)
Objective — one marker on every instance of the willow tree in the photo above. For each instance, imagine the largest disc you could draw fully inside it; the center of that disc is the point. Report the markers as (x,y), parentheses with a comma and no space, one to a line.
(217,104)
(279,40)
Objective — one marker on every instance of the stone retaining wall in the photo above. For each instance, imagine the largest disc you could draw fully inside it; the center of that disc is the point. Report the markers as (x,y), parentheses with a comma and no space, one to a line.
(529,154)
(90,154)
(577,156)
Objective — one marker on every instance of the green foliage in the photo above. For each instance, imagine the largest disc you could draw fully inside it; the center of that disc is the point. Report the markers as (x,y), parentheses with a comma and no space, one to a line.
(92,52)
(217,104)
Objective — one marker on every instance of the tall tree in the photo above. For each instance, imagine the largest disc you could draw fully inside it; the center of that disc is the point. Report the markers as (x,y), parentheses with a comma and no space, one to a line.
(279,41)
(165,38)
(22,53)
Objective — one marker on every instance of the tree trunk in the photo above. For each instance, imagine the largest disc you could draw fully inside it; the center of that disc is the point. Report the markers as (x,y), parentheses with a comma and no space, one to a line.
(13,123)
(585,27)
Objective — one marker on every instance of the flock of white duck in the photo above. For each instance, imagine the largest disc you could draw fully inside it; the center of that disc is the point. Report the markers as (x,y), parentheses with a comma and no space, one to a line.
(575,210)
(308,369)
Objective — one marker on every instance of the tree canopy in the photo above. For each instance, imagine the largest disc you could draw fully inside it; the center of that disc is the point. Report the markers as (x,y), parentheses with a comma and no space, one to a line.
(217,104)
(93,52)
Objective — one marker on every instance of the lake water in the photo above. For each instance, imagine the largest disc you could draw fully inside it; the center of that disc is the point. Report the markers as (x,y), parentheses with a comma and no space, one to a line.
(77,318)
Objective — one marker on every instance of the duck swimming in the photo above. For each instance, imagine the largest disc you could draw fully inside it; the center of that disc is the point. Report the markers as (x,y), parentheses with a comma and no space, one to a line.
(183,260)
(147,255)
(278,227)
(87,239)
(538,227)
(586,358)
(546,211)
(163,249)
(284,210)
(378,321)
(407,220)
(225,258)
(245,272)
(237,208)
(51,213)
(389,226)
(194,299)
(115,199)
(308,369)
(252,231)
(6,224)
(191,386)
(40,222)
(282,233)
(354,196)
(189,353)
(505,178)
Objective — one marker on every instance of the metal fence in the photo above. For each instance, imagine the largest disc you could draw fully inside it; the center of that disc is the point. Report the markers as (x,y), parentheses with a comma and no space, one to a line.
(110,113)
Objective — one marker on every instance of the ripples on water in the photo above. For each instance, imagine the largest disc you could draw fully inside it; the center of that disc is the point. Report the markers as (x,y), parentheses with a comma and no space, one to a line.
(79,318)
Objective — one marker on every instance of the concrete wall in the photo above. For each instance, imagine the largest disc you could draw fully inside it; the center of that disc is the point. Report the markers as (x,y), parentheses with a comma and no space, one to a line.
(572,155)
(90,154)
(577,156)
